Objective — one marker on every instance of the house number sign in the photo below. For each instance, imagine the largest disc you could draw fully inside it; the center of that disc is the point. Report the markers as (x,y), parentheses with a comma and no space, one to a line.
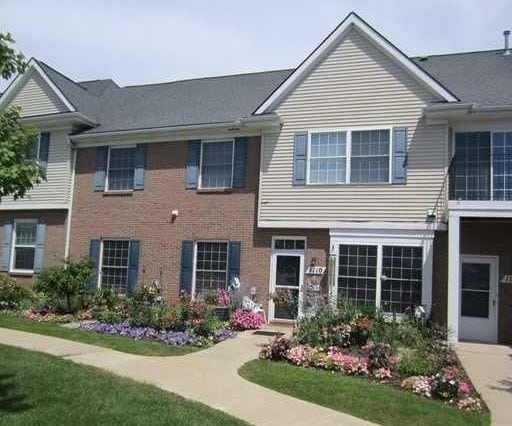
(315,270)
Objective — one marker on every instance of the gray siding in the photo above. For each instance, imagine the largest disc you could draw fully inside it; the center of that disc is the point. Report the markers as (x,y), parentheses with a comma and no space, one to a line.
(37,98)
(356,85)
(56,188)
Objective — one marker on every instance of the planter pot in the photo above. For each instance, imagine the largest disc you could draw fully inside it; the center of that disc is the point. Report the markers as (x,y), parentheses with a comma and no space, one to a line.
(222,313)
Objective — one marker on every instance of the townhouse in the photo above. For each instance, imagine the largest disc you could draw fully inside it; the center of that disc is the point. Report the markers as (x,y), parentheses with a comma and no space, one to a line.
(363,174)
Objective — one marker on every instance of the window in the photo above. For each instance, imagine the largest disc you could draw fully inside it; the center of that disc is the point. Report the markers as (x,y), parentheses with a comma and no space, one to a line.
(355,156)
(121,168)
(211,266)
(24,246)
(357,274)
(392,275)
(370,156)
(472,166)
(502,166)
(114,265)
(401,278)
(327,162)
(289,244)
(217,164)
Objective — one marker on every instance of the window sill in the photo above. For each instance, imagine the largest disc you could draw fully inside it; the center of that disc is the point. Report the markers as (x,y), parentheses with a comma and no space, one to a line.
(21,273)
(214,190)
(127,193)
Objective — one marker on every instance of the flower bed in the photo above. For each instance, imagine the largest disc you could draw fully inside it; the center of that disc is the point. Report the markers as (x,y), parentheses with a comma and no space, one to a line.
(408,355)
(174,338)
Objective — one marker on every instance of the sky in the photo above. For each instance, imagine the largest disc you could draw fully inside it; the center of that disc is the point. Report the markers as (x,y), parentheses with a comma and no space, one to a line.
(150,41)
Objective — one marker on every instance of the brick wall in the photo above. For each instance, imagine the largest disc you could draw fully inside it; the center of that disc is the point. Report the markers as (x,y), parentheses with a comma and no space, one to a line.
(146,216)
(55,236)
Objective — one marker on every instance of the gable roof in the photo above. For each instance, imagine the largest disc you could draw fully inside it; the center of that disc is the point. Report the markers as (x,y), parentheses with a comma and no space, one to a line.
(34,66)
(353,20)
(482,77)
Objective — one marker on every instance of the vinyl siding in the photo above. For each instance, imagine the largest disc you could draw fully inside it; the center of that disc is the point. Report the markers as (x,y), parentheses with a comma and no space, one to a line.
(356,85)
(37,98)
(56,188)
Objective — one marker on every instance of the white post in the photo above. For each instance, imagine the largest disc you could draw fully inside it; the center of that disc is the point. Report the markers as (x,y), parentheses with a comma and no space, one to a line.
(453,276)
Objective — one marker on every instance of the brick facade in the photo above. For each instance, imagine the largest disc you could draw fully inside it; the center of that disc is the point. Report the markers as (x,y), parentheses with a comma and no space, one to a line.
(146,216)
(55,237)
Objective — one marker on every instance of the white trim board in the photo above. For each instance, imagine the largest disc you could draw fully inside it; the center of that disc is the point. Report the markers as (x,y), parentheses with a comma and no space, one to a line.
(420,226)
(353,20)
(22,78)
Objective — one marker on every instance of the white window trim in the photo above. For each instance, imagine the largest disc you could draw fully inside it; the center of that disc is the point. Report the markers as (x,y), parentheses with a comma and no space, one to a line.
(200,174)
(348,154)
(100,260)
(14,245)
(387,237)
(110,148)
(194,265)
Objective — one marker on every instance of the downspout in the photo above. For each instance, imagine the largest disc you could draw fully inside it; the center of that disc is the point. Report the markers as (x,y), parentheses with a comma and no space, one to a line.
(70,210)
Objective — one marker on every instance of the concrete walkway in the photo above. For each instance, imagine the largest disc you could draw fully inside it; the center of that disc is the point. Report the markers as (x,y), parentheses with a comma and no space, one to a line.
(490,369)
(208,376)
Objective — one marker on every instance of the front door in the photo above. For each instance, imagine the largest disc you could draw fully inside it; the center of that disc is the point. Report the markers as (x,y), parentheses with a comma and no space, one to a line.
(287,283)
(478,299)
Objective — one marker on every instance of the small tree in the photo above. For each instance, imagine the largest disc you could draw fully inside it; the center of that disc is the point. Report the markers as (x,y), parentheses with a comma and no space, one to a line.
(19,170)
(66,282)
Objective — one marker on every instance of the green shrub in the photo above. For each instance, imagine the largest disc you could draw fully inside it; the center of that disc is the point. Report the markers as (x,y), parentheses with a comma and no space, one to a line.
(108,306)
(12,295)
(147,308)
(66,285)
(416,362)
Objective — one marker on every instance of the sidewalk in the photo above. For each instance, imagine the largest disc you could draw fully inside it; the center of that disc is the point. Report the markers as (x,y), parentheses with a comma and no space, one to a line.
(208,376)
(490,370)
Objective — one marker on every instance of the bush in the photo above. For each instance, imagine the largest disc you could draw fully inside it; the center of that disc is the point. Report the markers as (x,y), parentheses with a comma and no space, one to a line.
(107,306)
(246,319)
(276,349)
(146,307)
(12,295)
(380,355)
(66,285)
(416,362)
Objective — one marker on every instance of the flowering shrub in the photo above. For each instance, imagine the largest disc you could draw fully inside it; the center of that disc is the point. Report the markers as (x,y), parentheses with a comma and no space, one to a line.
(382,374)
(46,315)
(445,384)
(380,355)
(464,387)
(419,385)
(276,349)
(470,404)
(175,338)
(223,298)
(346,363)
(12,295)
(245,319)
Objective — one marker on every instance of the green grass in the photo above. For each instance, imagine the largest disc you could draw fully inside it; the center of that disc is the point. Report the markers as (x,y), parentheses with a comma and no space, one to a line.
(38,389)
(119,343)
(361,398)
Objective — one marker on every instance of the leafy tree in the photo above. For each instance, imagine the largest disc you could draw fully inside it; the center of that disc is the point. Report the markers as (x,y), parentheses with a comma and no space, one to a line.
(19,170)
(67,283)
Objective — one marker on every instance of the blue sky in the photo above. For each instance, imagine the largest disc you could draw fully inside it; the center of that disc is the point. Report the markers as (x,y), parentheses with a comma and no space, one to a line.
(137,42)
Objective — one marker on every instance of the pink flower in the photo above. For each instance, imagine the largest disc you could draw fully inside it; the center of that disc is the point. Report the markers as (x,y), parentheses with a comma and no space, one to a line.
(245,319)
(464,387)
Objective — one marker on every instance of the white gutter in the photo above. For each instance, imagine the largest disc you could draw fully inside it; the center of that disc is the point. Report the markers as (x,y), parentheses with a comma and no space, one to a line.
(254,122)
(70,210)
(61,117)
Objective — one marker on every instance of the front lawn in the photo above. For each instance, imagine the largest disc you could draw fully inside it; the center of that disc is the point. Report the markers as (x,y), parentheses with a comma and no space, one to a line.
(362,398)
(44,390)
(118,343)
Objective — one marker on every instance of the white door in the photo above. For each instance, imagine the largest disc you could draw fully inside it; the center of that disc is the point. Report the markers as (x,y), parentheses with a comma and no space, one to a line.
(479,298)
(287,278)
